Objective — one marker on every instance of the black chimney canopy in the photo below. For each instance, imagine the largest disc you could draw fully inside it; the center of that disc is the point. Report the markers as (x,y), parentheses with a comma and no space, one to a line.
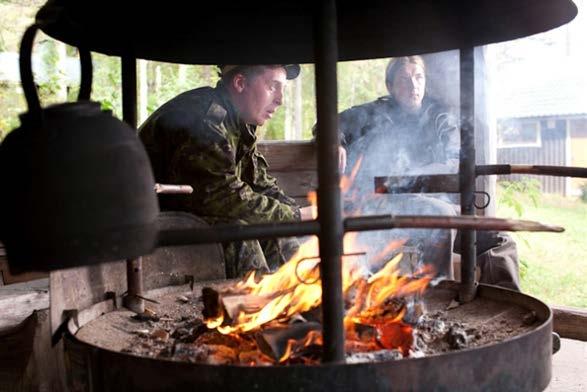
(238,32)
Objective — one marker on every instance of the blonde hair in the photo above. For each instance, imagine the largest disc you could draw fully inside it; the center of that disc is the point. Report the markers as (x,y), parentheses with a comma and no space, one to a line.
(396,63)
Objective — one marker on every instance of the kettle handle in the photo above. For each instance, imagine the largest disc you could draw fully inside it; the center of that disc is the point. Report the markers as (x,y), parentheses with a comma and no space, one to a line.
(26,71)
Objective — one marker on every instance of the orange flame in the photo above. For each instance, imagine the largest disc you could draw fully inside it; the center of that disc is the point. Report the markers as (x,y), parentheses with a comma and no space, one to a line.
(296,288)
(347,182)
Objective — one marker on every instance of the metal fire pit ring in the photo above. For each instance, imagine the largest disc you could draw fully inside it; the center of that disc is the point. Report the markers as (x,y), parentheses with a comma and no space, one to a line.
(522,363)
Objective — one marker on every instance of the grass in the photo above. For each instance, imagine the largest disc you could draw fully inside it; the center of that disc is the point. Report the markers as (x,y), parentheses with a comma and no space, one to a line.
(553,267)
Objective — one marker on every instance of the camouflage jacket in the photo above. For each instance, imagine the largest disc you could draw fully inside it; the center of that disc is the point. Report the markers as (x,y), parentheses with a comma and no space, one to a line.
(198,139)
(413,140)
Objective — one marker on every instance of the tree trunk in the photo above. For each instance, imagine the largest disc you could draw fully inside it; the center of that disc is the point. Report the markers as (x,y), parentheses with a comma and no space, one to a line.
(61,71)
(288,115)
(181,75)
(143,91)
(298,110)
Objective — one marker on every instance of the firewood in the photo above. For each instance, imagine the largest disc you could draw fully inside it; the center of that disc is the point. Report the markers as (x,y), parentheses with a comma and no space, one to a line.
(274,342)
(249,303)
(231,305)
(212,304)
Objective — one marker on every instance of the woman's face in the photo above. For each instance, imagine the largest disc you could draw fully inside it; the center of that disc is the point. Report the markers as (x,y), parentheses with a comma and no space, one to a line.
(408,87)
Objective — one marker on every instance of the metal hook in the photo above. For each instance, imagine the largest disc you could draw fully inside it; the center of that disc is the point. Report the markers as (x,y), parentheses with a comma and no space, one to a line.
(484,206)
(302,281)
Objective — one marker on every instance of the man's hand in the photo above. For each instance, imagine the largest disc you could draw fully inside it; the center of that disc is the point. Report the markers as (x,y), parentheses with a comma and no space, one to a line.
(341,159)
(308,213)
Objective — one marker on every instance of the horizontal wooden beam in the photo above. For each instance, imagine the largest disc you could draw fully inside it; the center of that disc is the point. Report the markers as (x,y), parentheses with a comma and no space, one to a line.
(289,156)
(18,301)
(6,278)
(296,184)
(570,322)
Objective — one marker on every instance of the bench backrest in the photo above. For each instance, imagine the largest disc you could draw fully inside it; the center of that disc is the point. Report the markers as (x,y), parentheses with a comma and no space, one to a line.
(294,164)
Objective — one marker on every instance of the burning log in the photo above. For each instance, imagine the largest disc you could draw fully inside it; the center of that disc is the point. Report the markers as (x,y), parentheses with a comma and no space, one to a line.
(280,343)
(376,305)
(228,306)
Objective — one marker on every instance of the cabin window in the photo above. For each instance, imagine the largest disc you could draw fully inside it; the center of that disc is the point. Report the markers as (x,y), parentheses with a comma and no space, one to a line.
(519,134)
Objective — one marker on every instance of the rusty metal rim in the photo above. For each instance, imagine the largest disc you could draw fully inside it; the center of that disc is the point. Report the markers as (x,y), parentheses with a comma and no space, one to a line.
(533,349)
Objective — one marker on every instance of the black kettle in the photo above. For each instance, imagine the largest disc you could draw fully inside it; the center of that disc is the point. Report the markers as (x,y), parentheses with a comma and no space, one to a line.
(77,185)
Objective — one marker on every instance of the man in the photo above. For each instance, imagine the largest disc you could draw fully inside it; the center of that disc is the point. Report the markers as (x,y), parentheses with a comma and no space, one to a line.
(206,138)
(419,134)
(410,133)
(404,133)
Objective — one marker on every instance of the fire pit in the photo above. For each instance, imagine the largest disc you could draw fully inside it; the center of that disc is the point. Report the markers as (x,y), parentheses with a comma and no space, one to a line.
(504,344)
(501,340)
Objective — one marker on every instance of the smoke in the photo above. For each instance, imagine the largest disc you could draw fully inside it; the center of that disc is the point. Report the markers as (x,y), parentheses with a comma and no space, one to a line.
(392,142)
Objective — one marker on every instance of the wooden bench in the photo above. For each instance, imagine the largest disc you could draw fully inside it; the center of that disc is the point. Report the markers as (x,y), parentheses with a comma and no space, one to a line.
(294,165)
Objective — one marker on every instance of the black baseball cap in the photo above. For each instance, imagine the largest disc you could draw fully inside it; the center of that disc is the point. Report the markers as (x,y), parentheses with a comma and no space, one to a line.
(291,70)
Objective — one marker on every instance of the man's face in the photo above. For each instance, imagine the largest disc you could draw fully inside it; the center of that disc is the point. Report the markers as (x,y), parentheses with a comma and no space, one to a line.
(409,86)
(261,95)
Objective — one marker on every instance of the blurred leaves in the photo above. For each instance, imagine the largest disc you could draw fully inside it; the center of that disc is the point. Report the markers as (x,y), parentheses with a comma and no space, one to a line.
(515,194)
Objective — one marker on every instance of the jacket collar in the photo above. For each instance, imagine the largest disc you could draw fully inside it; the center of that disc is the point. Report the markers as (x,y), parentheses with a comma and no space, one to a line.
(247,131)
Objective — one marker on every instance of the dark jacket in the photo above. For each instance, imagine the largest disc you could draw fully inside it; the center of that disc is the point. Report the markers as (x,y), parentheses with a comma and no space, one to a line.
(408,141)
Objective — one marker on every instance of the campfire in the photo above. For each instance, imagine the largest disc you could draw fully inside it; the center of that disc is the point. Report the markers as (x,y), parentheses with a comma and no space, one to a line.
(281,311)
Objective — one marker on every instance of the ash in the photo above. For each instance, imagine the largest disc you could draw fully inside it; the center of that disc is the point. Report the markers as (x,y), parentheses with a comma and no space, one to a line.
(174,330)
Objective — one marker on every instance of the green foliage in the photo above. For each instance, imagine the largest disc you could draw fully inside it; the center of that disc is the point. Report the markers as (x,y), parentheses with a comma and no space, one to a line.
(11,105)
(515,194)
(165,81)
(106,83)
(360,82)
(274,130)
(2,43)
(50,60)
(308,100)
(523,267)
(552,265)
